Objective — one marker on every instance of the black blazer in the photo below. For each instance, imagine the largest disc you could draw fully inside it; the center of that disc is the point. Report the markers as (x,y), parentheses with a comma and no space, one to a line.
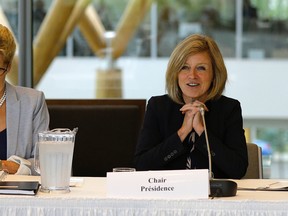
(160,148)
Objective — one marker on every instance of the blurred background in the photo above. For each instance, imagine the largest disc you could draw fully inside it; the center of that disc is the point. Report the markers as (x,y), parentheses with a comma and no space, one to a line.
(120,49)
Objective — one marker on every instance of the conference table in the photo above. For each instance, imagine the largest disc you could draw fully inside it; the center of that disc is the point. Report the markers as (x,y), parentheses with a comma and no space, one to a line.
(89,197)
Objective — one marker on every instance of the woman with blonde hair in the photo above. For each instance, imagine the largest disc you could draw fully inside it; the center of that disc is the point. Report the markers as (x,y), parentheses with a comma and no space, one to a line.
(23,113)
(173,135)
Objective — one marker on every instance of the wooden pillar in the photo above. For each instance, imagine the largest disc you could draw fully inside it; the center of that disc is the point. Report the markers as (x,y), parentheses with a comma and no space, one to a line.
(109,83)
(93,30)
(48,35)
(59,23)
(70,25)
(131,19)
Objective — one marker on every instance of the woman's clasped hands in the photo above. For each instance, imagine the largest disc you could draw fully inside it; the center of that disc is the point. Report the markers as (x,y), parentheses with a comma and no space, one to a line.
(192,119)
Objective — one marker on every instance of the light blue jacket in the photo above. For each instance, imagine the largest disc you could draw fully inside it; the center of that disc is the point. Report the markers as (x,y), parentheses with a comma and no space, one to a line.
(26,115)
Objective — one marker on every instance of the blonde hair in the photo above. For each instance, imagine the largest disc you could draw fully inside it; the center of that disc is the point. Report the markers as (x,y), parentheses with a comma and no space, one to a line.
(192,45)
(7,44)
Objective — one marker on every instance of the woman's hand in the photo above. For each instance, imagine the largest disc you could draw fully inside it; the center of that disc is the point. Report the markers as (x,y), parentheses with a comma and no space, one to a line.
(10,166)
(192,119)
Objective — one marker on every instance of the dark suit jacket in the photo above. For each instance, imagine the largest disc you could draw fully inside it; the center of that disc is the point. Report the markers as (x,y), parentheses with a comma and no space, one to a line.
(160,148)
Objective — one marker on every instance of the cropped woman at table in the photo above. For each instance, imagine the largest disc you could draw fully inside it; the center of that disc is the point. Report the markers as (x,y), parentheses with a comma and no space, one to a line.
(23,113)
(173,133)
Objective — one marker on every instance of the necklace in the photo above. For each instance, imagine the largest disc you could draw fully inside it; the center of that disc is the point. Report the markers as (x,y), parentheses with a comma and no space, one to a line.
(3,98)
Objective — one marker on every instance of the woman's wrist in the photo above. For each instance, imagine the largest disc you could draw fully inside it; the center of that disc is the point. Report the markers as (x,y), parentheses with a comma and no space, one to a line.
(199,131)
(182,134)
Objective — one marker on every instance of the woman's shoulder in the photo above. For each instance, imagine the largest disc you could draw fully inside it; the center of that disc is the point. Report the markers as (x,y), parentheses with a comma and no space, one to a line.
(161,99)
(21,90)
(225,99)
(27,90)
(163,104)
(25,95)
(225,103)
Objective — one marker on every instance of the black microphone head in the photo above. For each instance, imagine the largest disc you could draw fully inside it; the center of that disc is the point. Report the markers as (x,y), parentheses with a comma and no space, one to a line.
(222,188)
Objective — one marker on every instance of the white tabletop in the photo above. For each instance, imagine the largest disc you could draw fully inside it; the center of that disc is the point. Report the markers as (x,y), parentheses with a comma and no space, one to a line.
(90,199)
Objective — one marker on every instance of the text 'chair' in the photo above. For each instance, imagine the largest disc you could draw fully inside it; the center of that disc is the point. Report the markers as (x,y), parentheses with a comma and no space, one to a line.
(107,132)
(255,167)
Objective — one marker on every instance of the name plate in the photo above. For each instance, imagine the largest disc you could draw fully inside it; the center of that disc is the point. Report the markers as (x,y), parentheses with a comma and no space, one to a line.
(176,184)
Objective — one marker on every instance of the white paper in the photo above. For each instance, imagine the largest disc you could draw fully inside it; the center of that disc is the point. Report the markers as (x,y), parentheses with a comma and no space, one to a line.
(184,184)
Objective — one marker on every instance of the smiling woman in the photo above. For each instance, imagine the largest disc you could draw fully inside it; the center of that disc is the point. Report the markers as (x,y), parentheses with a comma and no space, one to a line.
(23,113)
(173,136)
(195,77)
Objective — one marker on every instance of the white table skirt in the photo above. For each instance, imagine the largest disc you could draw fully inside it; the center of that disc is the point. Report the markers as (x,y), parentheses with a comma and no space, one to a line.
(90,199)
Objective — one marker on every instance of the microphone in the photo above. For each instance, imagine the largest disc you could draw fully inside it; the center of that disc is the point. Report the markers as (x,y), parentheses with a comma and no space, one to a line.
(218,187)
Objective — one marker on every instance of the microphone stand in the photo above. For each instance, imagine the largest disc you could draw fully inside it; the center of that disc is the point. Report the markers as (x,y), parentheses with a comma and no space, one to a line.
(218,187)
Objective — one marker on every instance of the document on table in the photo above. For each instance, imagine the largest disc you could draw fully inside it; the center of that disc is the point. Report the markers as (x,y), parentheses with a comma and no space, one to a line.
(19,187)
(260,185)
